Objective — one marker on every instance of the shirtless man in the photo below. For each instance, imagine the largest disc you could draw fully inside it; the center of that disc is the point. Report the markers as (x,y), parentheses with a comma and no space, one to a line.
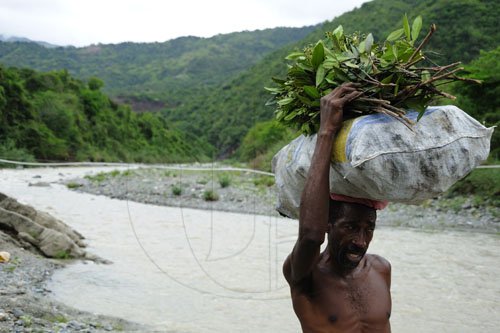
(341,289)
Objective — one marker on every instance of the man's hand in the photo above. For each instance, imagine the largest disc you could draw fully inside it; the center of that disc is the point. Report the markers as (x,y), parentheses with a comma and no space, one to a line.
(332,105)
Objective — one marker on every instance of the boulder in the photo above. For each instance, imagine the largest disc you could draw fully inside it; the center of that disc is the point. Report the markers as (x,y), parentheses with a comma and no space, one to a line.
(50,236)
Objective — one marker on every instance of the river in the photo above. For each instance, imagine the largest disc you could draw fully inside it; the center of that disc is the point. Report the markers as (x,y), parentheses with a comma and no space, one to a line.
(188,270)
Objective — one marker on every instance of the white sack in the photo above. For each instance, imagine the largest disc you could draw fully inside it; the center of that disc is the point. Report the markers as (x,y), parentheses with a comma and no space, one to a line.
(381,159)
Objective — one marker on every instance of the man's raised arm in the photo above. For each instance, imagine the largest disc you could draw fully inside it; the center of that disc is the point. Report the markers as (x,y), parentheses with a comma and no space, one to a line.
(314,204)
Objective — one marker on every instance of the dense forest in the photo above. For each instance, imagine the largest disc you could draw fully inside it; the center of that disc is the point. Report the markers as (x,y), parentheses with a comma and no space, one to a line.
(210,91)
(53,116)
(154,75)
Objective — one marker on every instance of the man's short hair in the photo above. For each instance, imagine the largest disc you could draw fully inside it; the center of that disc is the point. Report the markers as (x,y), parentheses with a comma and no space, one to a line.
(336,209)
(340,208)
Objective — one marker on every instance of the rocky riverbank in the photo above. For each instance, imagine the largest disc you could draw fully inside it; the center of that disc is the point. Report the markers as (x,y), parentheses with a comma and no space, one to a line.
(25,305)
(28,239)
(247,192)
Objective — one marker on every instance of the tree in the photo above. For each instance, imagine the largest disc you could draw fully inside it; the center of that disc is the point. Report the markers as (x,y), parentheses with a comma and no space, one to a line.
(482,101)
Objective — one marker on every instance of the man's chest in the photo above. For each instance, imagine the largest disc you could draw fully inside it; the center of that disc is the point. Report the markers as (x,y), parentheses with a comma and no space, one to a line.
(358,306)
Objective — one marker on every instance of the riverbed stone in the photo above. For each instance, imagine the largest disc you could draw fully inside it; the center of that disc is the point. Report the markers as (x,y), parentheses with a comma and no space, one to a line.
(44,232)
(17,312)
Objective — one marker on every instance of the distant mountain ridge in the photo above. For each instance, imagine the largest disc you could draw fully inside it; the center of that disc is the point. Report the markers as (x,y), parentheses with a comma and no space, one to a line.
(13,39)
(157,73)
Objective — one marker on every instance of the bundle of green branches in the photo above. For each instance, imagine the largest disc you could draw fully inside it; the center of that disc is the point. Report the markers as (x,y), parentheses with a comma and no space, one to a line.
(387,74)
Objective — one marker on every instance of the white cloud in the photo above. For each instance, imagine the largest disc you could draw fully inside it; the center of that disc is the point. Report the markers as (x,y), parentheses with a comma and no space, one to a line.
(80,23)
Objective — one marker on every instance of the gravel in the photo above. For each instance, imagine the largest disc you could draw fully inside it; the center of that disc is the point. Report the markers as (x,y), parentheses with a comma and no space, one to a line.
(255,194)
(25,305)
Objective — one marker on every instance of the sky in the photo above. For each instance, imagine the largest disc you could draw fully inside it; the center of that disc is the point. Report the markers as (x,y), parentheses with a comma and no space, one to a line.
(85,22)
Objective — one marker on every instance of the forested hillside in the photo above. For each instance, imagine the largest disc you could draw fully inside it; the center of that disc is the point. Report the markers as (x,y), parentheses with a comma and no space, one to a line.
(156,75)
(52,116)
(464,28)
(210,90)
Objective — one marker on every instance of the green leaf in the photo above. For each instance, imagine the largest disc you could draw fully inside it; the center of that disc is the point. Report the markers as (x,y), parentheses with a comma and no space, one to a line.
(294,55)
(420,114)
(388,79)
(320,75)
(270,102)
(312,91)
(305,100)
(415,28)
(361,47)
(318,55)
(342,58)
(341,75)
(388,55)
(396,88)
(418,105)
(336,44)
(328,53)
(330,63)
(278,80)
(330,80)
(285,101)
(368,43)
(355,51)
(426,75)
(274,90)
(291,115)
(395,35)
(395,51)
(338,32)
(406,26)
(305,67)
(350,64)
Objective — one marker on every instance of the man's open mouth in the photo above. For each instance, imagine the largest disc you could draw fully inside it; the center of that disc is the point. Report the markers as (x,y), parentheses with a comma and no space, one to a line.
(354,256)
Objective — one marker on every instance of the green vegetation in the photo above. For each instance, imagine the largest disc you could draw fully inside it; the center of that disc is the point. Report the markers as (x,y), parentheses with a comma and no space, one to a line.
(202,181)
(210,195)
(211,95)
(52,116)
(266,181)
(27,320)
(464,27)
(114,173)
(176,190)
(9,151)
(224,180)
(151,76)
(127,173)
(11,266)
(483,101)
(386,73)
(63,254)
(262,142)
(209,91)
(55,318)
(98,178)
(482,184)
(72,185)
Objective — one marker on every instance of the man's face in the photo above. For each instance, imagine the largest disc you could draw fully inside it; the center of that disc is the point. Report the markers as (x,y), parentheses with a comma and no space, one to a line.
(351,233)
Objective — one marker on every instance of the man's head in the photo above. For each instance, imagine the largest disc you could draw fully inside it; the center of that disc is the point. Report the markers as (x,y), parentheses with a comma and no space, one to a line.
(350,231)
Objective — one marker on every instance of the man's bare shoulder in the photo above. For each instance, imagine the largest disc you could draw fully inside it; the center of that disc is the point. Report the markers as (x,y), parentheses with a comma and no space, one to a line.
(379,263)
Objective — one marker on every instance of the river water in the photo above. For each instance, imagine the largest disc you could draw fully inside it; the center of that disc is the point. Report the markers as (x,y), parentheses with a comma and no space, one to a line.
(187,270)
